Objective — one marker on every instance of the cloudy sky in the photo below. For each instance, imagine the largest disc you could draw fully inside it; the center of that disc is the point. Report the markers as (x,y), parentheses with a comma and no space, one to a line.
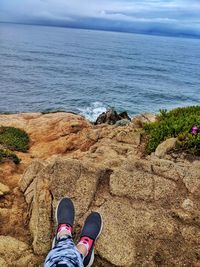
(176,17)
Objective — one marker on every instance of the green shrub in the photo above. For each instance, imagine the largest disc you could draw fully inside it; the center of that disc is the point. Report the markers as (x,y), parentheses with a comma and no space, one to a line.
(6,154)
(175,123)
(14,138)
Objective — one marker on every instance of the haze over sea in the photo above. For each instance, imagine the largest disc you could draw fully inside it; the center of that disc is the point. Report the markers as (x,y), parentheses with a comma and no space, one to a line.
(85,71)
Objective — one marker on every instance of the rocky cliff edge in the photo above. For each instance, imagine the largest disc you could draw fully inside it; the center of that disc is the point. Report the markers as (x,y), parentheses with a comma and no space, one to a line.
(149,204)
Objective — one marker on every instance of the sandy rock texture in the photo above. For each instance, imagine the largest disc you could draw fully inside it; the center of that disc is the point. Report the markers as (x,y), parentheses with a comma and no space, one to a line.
(150,204)
(165,147)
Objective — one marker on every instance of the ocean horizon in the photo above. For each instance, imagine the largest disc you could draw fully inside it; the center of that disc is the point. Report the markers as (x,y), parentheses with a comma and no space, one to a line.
(45,69)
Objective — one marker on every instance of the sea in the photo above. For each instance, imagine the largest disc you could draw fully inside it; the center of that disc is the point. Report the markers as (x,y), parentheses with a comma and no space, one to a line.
(44,69)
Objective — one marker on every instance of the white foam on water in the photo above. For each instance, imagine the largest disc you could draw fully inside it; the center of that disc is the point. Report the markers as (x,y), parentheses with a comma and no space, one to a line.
(93,111)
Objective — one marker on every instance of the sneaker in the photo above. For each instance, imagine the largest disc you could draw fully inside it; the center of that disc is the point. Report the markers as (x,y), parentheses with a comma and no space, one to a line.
(64,217)
(90,232)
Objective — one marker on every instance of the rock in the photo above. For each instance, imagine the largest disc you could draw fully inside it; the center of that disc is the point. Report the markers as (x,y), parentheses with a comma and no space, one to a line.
(56,132)
(191,234)
(29,193)
(196,264)
(124,115)
(122,256)
(40,221)
(29,260)
(165,168)
(140,120)
(58,179)
(107,156)
(12,249)
(165,189)
(4,189)
(52,126)
(165,147)
(4,212)
(7,168)
(134,184)
(187,217)
(150,205)
(192,178)
(129,136)
(14,120)
(122,122)
(137,224)
(111,117)
(188,205)
(131,181)
(3,263)
(77,180)
(30,173)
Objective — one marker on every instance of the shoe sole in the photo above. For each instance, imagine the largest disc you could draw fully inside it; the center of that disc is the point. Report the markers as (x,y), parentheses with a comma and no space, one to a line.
(92,256)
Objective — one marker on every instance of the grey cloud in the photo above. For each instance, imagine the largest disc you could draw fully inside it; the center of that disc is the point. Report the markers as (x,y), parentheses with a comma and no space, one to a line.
(181,16)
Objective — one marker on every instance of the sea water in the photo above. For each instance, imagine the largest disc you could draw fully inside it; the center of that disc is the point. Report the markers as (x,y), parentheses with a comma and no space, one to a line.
(86,71)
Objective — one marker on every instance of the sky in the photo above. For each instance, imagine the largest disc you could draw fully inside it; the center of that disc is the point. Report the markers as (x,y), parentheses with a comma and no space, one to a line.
(171,17)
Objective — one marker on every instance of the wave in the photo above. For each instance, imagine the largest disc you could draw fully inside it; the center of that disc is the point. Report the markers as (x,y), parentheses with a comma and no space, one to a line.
(93,111)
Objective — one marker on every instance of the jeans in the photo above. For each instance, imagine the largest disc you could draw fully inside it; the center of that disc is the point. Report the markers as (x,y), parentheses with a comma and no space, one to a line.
(63,254)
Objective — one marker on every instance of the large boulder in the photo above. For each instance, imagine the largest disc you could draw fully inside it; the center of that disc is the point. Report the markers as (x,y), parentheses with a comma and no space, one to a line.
(148,205)
(56,132)
(146,209)
(139,120)
(126,225)
(49,126)
(165,147)
(56,180)
(111,117)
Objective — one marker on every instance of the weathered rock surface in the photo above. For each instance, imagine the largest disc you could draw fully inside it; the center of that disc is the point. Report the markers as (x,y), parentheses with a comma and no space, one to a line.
(139,184)
(140,120)
(165,147)
(53,133)
(15,253)
(60,178)
(127,224)
(150,205)
(192,178)
(4,189)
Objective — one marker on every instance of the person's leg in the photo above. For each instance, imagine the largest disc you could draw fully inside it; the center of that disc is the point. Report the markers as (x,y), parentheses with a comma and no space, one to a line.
(90,232)
(64,252)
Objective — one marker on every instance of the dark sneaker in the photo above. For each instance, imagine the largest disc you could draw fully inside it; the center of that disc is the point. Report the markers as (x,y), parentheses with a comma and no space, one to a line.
(90,232)
(65,212)
(64,217)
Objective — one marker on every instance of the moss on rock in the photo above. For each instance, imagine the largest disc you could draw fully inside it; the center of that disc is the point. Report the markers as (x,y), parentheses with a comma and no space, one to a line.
(6,154)
(14,138)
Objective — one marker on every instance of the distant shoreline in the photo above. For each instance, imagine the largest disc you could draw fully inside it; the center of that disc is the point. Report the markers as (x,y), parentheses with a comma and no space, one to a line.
(159,34)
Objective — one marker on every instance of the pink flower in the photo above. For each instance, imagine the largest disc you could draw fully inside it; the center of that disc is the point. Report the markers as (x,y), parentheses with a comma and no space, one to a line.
(195,130)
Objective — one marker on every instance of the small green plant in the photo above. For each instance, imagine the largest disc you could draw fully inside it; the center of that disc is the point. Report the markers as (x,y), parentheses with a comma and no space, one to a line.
(175,123)
(6,154)
(163,113)
(14,138)
(189,143)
